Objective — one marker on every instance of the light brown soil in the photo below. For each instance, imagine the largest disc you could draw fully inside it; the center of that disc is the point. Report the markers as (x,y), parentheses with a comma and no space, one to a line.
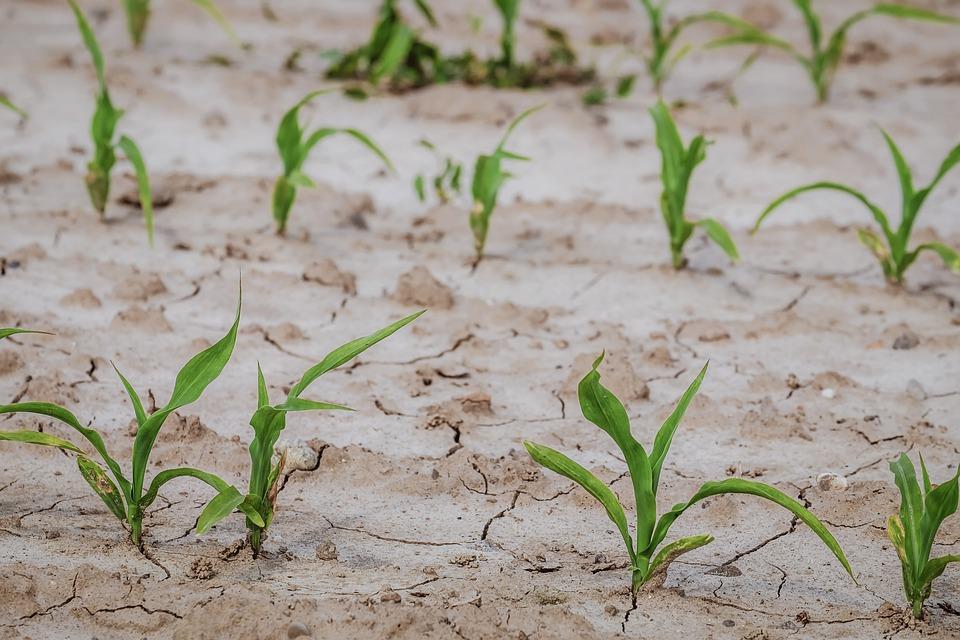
(424,517)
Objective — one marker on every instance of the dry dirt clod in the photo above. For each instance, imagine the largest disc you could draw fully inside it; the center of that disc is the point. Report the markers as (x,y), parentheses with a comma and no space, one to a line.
(906,340)
(326,272)
(298,630)
(202,569)
(832,482)
(326,550)
(390,596)
(82,298)
(418,287)
(300,456)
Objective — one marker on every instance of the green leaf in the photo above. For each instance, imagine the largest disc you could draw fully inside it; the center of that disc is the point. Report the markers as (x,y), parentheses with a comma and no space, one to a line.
(661,444)
(878,214)
(130,149)
(366,141)
(263,396)
(513,125)
(949,256)
(302,404)
(140,414)
(38,437)
(12,331)
(874,243)
(939,504)
(559,463)
(192,380)
(221,506)
(912,13)
(594,96)
(98,479)
(90,40)
(6,102)
(347,352)
(813,22)
(951,161)
(65,416)
(936,567)
(903,171)
(739,485)
(219,18)
(911,509)
(676,549)
(397,49)
(625,85)
(419,185)
(426,11)
(601,407)
(720,237)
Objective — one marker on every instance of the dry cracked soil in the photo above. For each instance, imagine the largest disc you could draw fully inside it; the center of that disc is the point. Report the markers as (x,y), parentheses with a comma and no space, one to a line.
(420,515)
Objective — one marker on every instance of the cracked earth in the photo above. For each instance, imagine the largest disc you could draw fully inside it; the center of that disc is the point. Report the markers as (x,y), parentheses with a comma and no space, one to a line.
(420,515)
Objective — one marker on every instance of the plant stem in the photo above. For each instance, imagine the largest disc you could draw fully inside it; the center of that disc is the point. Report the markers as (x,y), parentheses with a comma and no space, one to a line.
(136,531)
(636,581)
(918,609)
(679,262)
(254,537)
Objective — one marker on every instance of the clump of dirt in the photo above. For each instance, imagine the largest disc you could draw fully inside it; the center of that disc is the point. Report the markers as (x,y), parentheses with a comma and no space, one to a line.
(144,319)
(419,287)
(139,287)
(82,298)
(326,272)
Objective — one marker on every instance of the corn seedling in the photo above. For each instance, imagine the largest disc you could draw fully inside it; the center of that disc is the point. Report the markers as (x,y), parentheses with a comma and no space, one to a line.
(892,249)
(603,409)
(678,164)
(102,130)
(446,182)
(488,177)
(914,529)
(509,12)
(663,38)
(138,14)
(269,420)
(394,52)
(826,53)
(295,146)
(6,102)
(129,498)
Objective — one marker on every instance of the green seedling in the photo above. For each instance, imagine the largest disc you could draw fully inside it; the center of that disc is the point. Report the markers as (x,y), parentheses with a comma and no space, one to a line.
(129,498)
(892,250)
(102,130)
(914,530)
(269,420)
(603,409)
(678,163)
(138,14)
(825,53)
(509,12)
(394,52)
(664,38)
(6,102)
(446,182)
(295,146)
(488,177)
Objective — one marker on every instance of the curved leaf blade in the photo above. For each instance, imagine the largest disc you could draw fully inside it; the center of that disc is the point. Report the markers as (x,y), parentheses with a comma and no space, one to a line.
(101,484)
(40,438)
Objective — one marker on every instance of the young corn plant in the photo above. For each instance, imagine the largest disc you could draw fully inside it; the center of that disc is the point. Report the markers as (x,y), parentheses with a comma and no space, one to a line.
(826,53)
(295,146)
(128,498)
(103,130)
(138,14)
(394,52)
(663,38)
(914,529)
(647,558)
(892,250)
(509,13)
(678,163)
(446,183)
(488,177)
(269,421)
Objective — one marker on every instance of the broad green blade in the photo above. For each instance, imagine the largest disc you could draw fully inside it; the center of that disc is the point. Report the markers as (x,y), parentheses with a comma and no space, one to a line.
(927,486)
(138,411)
(878,214)
(739,485)
(952,160)
(676,549)
(936,566)
(420,187)
(559,463)
(132,152)
(720,237)
(903,171)
(661,444)
(263,396)
(912,13)
(347,352)
(90,40)
(12,331)
(601,407)
(302,404)
(6,102)
(65,416)
(101,484)
(812,20)
(221,506)
(950,257)
(911,508)
(396,51)
(192,380)
(939,504)
(38,437)
(167,475)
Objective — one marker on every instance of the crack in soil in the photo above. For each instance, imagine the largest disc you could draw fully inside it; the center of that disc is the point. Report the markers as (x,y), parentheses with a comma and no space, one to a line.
(73,596)
(459,342)
(140,606)
(426,543)
(21,518)
(513,504)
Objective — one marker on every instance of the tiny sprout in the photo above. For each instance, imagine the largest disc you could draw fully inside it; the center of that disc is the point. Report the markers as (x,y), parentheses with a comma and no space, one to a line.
(602,408)
(138,14)
(446,182)
(102,131)
(678,164)
(8,103)
(294,147)
(893,249)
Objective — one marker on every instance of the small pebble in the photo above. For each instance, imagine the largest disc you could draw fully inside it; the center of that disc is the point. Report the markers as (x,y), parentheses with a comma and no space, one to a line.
(390,596)
(906,340)
(828,393)
(832,482)
(326,550)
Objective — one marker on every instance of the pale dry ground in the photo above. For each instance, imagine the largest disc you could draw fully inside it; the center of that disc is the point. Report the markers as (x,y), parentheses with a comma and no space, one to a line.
(443,526)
